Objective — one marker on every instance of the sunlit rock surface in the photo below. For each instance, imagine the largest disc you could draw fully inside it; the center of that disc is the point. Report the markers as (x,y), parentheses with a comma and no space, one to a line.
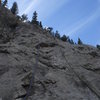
(63,72)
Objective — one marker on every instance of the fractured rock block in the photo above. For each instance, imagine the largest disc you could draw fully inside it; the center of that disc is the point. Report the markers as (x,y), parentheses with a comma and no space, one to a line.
(20,93)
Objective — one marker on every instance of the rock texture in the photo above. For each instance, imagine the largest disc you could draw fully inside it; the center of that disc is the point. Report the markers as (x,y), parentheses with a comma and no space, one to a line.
(60,71)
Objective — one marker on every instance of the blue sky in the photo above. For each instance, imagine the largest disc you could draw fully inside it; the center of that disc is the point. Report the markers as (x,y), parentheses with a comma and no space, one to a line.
(76,18)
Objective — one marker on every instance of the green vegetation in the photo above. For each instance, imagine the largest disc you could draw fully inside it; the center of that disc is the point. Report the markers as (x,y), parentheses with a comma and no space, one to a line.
(35,21)
(57,35)
(14,8)
(4,4)
(79,41)
(24,17)
(98,46)
(34,18)
(64,38)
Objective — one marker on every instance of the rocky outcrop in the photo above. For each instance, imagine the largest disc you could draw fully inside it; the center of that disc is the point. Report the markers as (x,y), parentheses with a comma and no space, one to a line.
(56,70)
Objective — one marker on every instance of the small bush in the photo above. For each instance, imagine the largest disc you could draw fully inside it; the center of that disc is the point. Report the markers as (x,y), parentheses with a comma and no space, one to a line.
(57,35)
(79,41)
(24,17)
(64,38)
(98,46)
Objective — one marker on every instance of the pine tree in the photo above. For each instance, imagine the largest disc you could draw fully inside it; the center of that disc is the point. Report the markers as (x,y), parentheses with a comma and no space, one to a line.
(64,38)
(68,39)
(71,41)
(79,41)
(24,17)
(14,8)
(98,46)
(41,24)
(5,3)
(34,18)
(57,35)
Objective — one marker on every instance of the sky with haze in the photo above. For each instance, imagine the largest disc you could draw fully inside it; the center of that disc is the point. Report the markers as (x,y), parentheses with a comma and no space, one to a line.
(76,18)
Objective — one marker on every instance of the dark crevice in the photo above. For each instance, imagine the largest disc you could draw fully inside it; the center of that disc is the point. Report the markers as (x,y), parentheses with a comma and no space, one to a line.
(94,54)
(81,48)
(22,96)
(93,69)
(4,51)
(90,67)
(50,82)
(46,45)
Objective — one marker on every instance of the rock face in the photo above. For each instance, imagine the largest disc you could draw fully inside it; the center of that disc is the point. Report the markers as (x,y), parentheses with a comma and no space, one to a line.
(57,70)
